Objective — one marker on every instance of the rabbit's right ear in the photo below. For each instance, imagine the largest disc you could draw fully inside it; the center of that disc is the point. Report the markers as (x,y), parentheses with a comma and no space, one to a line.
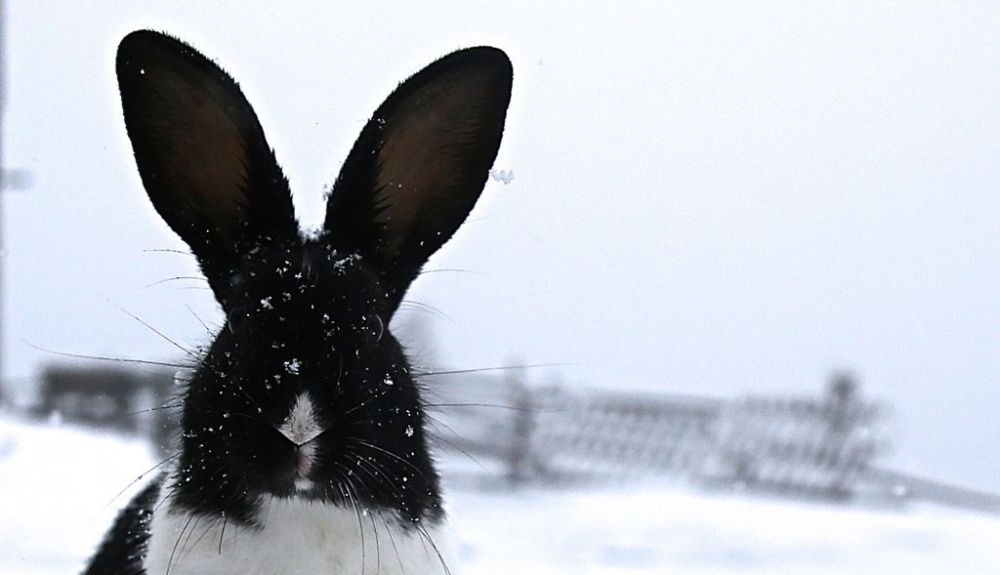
(201,154)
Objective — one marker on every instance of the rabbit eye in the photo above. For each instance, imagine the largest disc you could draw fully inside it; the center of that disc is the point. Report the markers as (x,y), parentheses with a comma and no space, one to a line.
(236,318)
(374,328)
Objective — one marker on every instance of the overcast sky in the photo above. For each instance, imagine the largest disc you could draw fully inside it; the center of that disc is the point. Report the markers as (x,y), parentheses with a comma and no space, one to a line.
(709,198)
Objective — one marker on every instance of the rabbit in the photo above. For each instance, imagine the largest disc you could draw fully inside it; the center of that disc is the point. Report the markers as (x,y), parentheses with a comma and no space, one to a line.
(302,446)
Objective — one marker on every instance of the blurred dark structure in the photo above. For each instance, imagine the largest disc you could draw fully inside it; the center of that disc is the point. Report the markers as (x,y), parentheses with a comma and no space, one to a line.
(124,400)
(10,180)
(816,446)
(3,179)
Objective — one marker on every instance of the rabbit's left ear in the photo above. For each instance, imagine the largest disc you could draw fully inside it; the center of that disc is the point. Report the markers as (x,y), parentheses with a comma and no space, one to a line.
(201,154)
(420,164)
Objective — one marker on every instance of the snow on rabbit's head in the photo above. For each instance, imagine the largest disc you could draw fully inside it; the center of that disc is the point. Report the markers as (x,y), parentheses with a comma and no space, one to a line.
(305,394)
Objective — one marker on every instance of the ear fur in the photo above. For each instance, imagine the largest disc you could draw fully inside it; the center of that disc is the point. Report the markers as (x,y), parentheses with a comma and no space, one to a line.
(421,163)
(409,182)
(201,153)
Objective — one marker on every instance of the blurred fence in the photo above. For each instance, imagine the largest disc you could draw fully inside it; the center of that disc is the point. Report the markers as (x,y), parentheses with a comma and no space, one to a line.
(116,398)
(825,446)
(820,446)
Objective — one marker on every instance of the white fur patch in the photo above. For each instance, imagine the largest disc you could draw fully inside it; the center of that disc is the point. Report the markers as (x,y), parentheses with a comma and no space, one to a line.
(298,537)
(301,427)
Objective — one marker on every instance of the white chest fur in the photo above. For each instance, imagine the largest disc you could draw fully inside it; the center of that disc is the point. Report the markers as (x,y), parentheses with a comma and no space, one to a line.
(298,537)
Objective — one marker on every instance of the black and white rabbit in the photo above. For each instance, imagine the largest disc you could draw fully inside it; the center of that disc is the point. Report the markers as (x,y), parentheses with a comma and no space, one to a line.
(302,445)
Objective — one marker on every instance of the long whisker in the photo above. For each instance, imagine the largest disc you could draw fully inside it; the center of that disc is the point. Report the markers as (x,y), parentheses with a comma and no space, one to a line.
(222,532)
(373,397)
(103,358)
(392,541)
(154,330)
(370,445)
(167,251)
(451,270)
(427,537)
(156,408)
(452,444)
(426,308)
(175,278)
(144,474)
(355,501)
(208,330)
(177,544)
(375,471)
(488,369)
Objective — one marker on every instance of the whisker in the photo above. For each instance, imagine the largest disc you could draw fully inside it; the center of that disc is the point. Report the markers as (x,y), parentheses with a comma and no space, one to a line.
(373,397)
(208,330)
(222,532)
(177,544)
(392,541)
(377,470)
(208,527)
(490,405)
(427,537)
(453,445)
(175,278)
(156,408)
(143,475)
(371,445)
(451,270)
(248,396)
(167,251)
(378,549)
(169,492)
(489,369)
(355,500)
(154,330)
(426,308)
(126,360)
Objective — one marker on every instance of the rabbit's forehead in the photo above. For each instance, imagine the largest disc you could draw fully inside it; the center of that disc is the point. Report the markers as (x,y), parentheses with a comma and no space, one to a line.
(309,265)
(314,278)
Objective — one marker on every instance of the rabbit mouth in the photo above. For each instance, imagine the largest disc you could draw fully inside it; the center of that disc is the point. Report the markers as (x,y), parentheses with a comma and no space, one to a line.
(301,428)
(304,457)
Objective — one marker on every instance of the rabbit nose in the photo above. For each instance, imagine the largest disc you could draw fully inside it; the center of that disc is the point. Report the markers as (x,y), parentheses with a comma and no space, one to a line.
(301,425)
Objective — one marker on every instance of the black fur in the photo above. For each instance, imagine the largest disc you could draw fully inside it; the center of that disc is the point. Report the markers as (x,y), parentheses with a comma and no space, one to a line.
(121,552)
(303,315)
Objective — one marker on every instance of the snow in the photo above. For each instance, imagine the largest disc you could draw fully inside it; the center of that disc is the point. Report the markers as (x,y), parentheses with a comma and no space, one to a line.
(60,487)
(59,491)
(662,531)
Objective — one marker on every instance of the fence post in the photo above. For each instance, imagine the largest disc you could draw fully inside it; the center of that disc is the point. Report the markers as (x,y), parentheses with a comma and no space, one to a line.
(519,452)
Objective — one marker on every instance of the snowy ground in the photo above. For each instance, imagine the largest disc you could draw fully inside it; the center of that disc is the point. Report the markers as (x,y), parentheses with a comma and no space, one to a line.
(60,487)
